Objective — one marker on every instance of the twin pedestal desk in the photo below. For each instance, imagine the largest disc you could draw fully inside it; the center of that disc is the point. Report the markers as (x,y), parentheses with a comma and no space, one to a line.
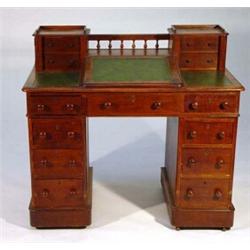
(185,80)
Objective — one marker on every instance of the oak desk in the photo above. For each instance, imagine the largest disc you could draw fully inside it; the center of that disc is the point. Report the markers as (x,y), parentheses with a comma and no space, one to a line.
(185,80)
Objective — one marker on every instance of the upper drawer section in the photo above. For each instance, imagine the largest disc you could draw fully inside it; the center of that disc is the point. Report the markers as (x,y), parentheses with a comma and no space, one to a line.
(216,103)
(61,44)
(56,105)
(125,104)
(199,43)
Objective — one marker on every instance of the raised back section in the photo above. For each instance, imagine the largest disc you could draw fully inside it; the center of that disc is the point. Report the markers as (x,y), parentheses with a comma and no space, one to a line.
(198,47)
(122,38)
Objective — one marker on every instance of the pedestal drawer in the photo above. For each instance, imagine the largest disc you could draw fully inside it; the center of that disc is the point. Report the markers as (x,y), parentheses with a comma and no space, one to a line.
(206,161)
(209,131)
(63,163)
(204,193)
(57,133)
(57,193)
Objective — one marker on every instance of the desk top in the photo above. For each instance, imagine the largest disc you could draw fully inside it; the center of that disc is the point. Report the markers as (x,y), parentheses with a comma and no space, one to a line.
(133,72)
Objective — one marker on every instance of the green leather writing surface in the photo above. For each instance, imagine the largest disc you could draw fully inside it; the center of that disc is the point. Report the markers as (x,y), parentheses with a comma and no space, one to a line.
(130,69)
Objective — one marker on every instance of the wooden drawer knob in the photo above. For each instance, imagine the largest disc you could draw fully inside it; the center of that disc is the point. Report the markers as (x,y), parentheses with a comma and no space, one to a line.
(192,134)
(189,193)
(40,107)
(71,134)
(50,44)
(221,135)
(156,105)
(224,105)
(209,61)
(44,163)
(72,192)
(70,107)
(45,193)
(43,135)
(71,45)
(191,162)
(72,163)
(219,164)
(194,105)
(51,61)
(187,61)
(72,62)
(106,105)
(218,194)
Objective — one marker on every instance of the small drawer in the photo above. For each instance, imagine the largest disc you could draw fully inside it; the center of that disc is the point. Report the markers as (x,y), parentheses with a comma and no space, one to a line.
(57,193)
(57,133)
(196,43)
(57,163)
(209,132)
(70,62)
(134,104)
(217,103)
(206,161)
(204,193)
(198,60)
(56,105)
(62,44)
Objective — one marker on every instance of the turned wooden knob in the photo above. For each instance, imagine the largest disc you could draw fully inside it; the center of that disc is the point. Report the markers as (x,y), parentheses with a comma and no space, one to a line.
(224,105)
(50,44)
(72,62)
(70,107)
(192,134)
(209,60)
(194,105)
(218,194)
(44,163)
(72,191)
(189,193)
(156,105)
(71,134)
(51,61)
(43,135)
(72,163)
(188,44)
(187,61)
(221,135)
(70,45)
(191,162)
(219,163)
(106,105)
(40,107)
(45,193)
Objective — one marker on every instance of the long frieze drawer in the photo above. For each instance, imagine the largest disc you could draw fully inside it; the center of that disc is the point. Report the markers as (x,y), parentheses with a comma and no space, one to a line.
(204,193)
(62,44)
(191,43)
(206,161)
(57,133)
(63,163)
(211,103)
(134,104)
(56,105)
(57,193)
(198,60)
(62,62)
(209,131)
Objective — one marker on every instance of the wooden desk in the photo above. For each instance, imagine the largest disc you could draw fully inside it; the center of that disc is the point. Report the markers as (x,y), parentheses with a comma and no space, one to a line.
(185,81)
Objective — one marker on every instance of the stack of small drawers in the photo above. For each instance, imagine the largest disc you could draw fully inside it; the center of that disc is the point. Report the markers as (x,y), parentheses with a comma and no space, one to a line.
(60,175)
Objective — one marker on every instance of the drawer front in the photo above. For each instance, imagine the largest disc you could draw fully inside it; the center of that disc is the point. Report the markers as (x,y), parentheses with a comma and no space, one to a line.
(211,103)
(208,43)
(63,44)
(198,60)
(68,62)
(57,133)
(57,163)
(210,132)
(204,193)
(56,105)
(57,193)
(134,104)
(206,161)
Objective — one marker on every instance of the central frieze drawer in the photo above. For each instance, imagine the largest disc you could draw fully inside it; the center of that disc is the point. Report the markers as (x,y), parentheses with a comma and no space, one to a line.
(57,133)
(134,104)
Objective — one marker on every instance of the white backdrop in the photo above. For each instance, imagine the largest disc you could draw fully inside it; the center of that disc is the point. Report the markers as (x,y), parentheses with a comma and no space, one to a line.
(127,153)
